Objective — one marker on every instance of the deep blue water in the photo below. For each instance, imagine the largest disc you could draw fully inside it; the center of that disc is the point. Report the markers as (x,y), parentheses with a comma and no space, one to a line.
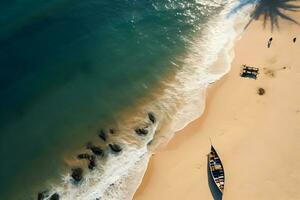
(67,68)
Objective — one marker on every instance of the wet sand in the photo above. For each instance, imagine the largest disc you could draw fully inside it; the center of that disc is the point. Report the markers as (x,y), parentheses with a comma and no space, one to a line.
(257,137)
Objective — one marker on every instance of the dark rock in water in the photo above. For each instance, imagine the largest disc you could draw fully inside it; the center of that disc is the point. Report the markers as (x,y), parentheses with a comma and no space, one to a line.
(89,145)
(83,156)
(261,91)
(102,135)
(141,131)
(152,117)
(114,147)
(92,163)
(42,195)
(150,142)
(112,131)
(97,151)
(77,174)
(54,196)
(90,158)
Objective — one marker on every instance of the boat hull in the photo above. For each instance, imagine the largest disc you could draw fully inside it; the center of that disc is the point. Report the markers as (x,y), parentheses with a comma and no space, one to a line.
(215,191)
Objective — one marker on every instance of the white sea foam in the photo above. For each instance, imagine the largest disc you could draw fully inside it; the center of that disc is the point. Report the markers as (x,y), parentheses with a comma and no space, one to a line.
(181,101)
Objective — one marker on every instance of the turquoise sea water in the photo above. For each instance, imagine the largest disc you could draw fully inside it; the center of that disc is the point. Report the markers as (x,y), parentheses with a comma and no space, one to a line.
(68,68)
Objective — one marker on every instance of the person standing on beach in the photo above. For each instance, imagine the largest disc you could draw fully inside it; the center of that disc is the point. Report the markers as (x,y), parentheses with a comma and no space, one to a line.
(269,42)
(294,40)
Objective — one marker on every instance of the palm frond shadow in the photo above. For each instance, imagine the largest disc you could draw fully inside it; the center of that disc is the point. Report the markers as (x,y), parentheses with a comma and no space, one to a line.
(270,10)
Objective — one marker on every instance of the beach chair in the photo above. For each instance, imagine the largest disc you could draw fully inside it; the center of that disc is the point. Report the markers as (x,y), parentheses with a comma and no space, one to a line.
(249,72)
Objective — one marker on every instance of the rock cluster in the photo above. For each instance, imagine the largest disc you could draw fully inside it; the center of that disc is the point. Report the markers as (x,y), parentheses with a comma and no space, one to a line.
(77,173)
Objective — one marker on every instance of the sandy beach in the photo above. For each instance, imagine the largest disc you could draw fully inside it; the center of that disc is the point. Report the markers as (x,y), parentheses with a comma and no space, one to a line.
(257,137)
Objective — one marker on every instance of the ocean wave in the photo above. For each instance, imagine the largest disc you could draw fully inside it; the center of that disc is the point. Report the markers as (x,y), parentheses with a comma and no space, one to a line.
(179,100)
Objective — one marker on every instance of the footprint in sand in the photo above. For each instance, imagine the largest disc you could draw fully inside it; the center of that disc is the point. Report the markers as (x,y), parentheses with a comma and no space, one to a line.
(269,72)
(272,72)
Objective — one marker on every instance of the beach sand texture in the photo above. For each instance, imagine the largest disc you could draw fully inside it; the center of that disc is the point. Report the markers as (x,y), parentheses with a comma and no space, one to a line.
(257,137)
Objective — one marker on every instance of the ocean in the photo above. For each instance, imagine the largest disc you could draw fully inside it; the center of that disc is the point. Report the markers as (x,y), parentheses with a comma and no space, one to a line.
(69,69)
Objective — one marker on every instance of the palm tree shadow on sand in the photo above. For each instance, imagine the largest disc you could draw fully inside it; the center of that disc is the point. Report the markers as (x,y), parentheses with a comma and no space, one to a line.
(270,10)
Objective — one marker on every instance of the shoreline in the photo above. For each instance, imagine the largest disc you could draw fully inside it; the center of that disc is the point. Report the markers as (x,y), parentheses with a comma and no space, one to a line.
(137,121)
(233,135)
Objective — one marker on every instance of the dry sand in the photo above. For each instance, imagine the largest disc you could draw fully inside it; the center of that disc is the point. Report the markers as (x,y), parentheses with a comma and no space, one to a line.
(257,137)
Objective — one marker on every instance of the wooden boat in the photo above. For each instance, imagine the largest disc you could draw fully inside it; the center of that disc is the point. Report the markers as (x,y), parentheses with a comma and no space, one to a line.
(216,174)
